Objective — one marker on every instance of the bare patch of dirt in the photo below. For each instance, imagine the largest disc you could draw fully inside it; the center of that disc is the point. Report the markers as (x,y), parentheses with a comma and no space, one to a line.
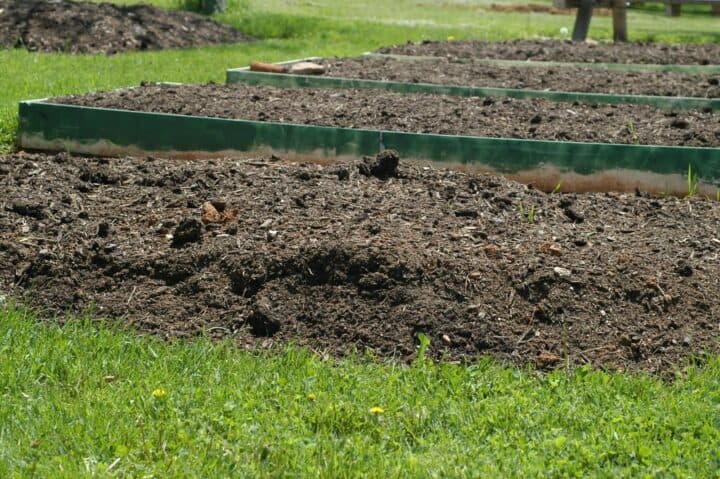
(84,27)
(363,254)
(567,51)
(452,115)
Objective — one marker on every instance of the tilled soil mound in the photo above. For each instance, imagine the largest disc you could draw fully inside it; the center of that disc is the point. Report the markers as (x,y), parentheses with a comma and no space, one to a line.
(567,51)
(363,255)
(446,71)
(423,113)
(84,27)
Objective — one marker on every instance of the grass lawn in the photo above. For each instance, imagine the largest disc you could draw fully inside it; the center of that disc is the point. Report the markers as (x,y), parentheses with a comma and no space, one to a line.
(83,400)
(76,401)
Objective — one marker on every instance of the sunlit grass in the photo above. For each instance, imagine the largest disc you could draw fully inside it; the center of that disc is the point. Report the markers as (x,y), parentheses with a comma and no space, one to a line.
(83,400)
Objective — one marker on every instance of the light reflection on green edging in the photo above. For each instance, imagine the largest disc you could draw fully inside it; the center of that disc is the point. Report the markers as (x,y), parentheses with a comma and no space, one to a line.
(627,67)
(158,132)
(242,75)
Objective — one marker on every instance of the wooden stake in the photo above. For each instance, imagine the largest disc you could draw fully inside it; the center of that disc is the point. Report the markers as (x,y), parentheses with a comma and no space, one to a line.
(582,20)
(620,21)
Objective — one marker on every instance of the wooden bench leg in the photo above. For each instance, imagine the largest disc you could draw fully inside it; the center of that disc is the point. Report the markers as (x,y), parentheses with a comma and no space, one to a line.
(672,9)
(620,21)
(582,20)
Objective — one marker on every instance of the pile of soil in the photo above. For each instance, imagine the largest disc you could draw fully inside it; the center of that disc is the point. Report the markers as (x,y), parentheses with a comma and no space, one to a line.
(363,255)
(567,51)
(447,71)
(84,27)
(424,113)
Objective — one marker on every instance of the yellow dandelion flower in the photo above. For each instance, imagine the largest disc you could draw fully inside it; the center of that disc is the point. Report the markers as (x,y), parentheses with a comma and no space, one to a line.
(312,396)
(451,38)
(159,393)
(376,410)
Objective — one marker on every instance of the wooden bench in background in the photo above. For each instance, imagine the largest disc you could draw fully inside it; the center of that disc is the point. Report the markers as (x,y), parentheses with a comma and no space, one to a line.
(619,8)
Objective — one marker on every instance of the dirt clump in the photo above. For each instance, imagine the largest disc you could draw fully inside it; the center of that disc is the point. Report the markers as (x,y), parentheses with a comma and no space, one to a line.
(85,27)
(188,231)
(347,264)
(383,166)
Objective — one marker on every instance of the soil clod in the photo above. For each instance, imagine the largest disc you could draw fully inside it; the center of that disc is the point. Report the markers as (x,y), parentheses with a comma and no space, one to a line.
(188,231)
(24,208)
(262,323)
(103,230)
(383,166)
(573,215)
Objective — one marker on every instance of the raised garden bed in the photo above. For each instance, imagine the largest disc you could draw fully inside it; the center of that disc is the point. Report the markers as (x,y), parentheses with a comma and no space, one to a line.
(670,90)
(539,141)
(333,259)
(530,51)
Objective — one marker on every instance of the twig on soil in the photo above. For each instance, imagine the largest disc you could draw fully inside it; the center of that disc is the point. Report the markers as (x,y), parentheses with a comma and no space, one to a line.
(132,294)
(219,328)
(526,336)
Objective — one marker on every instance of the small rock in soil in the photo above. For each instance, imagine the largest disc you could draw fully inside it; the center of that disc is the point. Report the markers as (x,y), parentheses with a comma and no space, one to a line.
(562,272)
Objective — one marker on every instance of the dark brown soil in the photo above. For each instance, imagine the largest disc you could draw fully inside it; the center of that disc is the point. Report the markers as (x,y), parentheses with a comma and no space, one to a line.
(363,255)
(466,73)
(84,27)
(493,117)
(567,51)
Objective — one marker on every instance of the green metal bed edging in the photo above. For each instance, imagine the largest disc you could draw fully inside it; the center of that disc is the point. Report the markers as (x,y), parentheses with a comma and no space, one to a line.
(286,80)
(97,131)
(626,67)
